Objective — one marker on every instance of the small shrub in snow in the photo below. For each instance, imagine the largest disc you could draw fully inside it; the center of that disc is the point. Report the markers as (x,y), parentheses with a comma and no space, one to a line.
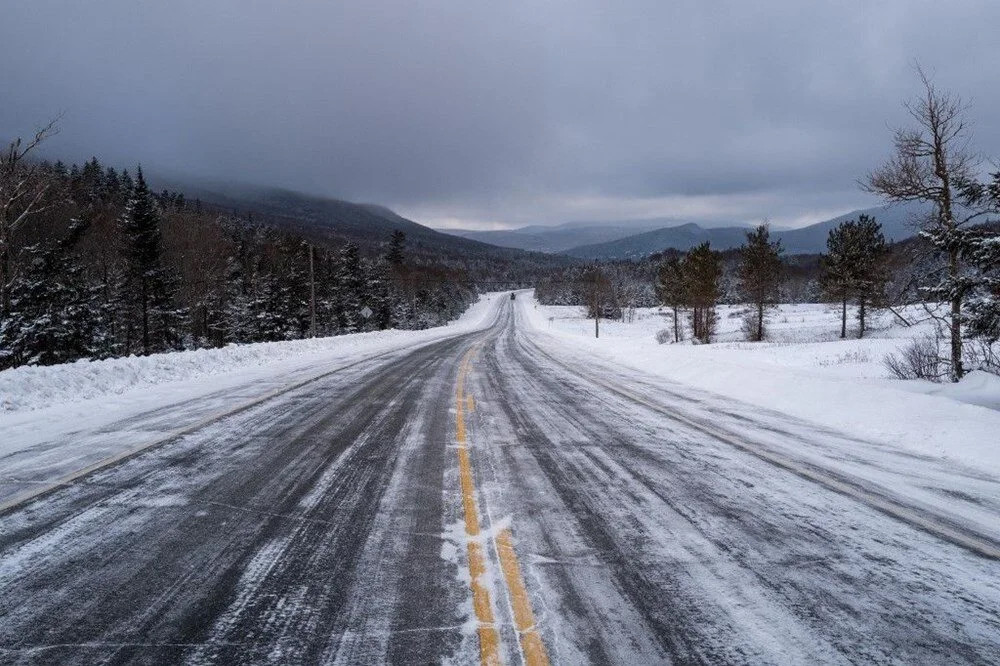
(858,356)
(981,354)
(921,359)
(753,331)
(664,335)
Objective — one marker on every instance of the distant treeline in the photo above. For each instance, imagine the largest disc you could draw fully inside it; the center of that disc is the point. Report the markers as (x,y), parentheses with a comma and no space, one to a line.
(95,265)
(635,280)
(858,269)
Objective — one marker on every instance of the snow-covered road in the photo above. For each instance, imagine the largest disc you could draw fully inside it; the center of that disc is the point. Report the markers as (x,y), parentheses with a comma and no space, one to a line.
(496,494)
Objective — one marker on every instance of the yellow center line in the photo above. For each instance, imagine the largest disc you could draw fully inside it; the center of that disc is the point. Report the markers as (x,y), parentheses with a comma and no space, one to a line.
(489,638)
(532,646)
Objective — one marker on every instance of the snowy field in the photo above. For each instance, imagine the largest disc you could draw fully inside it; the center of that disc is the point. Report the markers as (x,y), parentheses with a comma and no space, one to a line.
(806,370)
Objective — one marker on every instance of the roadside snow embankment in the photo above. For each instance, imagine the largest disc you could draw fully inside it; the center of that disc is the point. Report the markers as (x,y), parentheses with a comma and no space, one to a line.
(29,388)
(807,372)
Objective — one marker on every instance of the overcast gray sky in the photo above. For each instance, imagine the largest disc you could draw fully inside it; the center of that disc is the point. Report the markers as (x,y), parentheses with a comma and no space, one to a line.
(494,114)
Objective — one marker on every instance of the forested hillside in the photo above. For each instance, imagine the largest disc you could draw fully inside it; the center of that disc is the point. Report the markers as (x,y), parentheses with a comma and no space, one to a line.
(324,219)
(96,265)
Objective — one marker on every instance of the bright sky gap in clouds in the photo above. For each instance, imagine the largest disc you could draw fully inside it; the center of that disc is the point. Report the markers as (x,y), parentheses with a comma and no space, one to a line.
(503,114)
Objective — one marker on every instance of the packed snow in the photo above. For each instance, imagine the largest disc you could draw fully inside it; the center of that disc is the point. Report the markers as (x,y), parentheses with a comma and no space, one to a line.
(805,370)
(59,419)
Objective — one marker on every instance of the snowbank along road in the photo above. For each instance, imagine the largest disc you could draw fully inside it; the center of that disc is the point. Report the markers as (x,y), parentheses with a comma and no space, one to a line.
(494,498)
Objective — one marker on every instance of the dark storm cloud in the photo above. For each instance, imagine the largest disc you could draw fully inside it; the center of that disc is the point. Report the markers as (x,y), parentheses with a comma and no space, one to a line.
(464,112)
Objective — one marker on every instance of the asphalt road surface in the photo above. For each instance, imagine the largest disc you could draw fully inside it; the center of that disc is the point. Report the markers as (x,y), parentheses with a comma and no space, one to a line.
(487,499)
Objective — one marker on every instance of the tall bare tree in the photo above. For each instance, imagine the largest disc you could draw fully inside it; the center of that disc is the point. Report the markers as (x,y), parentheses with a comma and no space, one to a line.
(931,162)
(598,295)
(24,189)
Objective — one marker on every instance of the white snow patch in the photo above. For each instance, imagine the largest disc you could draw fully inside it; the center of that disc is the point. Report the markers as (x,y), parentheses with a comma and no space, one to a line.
(35,387)
(804,370)
(976,388)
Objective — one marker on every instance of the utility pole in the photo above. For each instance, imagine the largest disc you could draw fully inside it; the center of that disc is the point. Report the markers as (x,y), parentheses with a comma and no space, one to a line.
(312,295)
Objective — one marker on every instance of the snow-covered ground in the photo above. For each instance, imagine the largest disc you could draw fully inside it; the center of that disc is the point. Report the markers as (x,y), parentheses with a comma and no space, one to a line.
(30,388)
(807,371)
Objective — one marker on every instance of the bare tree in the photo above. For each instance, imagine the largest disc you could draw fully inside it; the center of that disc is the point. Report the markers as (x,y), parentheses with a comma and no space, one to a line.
(24,185)
(598,294)
(627,290)
(931,163)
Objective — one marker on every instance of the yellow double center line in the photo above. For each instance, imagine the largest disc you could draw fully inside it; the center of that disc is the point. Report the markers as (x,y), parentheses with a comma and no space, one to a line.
(532,647)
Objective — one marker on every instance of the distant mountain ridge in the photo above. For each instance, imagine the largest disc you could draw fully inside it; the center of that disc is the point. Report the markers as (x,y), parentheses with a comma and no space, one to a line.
(559,238)
(898,222)
(369,225)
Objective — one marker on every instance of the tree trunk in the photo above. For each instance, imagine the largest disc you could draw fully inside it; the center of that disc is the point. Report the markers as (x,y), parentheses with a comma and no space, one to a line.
(145,321)
(6,268)
(861,318)
(312,295)
(843,317)
(597,325)
(954,268)
(957,370)
(760,322)
(677,334)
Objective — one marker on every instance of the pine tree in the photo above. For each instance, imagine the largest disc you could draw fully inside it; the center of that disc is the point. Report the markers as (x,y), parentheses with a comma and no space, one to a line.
(670,289)
(702,270)
(981,249)
(396,244)
(854,267)
(293,276)
(271,309)
(869,268)
(379,289)
(238,318)
(127,184)
(837,264)
(148,284)
(983,306)
(350,289)
(760,275)
(55,314)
